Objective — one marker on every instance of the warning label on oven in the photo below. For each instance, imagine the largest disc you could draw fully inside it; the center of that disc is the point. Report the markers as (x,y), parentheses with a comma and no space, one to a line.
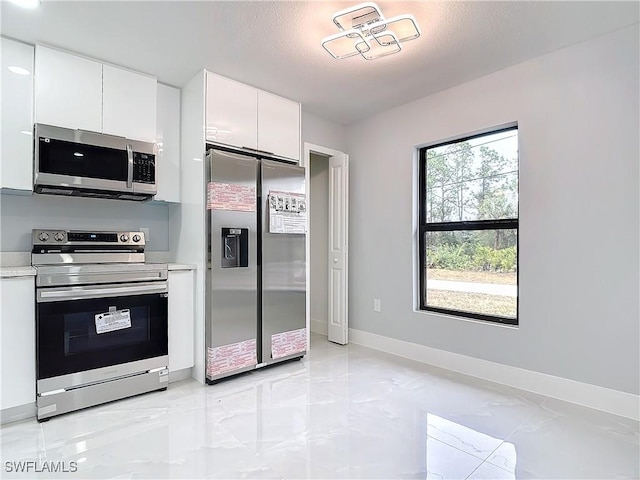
(287,343)
(228,358)
(113,320)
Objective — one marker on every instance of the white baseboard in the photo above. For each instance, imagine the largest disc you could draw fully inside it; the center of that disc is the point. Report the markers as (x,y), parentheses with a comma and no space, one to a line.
(179,375)
(601,398)
(15,414)
(319,326)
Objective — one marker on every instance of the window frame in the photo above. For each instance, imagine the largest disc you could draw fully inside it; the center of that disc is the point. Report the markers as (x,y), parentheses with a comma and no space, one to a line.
(494,224)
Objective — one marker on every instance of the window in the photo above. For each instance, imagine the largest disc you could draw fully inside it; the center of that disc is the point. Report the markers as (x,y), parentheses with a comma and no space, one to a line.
(469,227)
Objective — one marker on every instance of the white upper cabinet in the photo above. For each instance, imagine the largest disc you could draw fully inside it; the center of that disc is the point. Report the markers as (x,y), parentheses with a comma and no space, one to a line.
(80,93)
(168,143)
(16,140)
(128,104)
(68,90)
(278,125)
(243,116)
(231,116)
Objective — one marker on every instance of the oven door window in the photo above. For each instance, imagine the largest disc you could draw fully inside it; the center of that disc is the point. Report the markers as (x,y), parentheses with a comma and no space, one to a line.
(79,335)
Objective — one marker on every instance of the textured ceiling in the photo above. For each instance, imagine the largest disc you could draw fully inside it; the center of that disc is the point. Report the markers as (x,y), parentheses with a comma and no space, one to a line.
(276,45)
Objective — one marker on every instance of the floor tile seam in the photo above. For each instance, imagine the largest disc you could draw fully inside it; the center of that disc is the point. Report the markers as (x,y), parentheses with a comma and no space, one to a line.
(322,360)
(506,440)
(279,405)
(486,460)
(233,435)
(44,439)
(582,420)
(339,395)
(517,427)
(577,405)
(482,460)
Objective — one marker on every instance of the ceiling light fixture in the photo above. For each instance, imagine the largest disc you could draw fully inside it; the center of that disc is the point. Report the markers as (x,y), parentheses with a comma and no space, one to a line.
(364,31)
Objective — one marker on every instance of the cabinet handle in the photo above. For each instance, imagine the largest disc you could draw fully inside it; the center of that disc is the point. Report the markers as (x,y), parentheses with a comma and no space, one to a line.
(259,151)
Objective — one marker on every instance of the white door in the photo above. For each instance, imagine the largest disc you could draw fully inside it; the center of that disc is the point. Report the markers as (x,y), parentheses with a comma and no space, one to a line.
(338,248)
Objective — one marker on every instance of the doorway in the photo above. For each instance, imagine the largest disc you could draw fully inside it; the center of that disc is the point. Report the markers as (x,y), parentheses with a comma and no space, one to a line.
(327,246)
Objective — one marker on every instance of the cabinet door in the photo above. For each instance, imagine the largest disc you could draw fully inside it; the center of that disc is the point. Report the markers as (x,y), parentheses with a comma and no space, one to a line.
(16,88)
(278,125)
(68,90)
(231,112)
(168,143)
(181,319)
(129,104)
(17,342)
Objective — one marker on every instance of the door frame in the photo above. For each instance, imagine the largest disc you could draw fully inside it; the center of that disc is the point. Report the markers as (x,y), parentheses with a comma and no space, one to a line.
(305,161)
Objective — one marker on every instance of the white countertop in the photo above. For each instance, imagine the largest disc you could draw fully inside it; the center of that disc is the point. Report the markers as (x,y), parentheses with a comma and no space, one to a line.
(16,264)
(24,271)
(181,266)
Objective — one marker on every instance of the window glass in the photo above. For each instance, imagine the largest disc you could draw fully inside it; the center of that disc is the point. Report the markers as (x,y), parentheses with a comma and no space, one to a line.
(469,227)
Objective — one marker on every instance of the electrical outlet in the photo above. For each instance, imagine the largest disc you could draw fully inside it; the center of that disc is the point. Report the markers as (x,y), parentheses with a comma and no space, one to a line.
(145,230)
(376,304)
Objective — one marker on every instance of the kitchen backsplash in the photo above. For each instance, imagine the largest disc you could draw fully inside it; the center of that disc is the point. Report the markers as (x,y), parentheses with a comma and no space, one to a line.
(21,213)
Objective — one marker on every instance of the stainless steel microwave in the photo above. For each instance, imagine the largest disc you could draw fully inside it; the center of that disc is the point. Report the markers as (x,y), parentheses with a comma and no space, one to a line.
(80,163)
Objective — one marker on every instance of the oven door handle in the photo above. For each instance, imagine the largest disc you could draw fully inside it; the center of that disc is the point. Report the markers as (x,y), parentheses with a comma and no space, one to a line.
(61,294)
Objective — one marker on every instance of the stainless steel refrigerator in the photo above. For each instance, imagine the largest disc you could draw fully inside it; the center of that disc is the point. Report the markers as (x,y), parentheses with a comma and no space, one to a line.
(256,276)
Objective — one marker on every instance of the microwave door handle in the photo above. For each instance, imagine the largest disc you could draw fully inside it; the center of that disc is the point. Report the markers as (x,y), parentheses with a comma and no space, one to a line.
(129,166)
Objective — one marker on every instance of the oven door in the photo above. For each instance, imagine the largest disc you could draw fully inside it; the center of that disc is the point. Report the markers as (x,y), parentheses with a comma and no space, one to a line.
(88,328)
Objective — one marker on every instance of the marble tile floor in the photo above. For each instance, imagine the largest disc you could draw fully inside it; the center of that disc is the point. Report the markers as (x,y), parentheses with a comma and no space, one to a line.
(341,412)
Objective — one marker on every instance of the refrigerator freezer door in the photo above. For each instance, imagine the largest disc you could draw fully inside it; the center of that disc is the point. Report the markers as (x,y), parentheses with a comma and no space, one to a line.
(232,279)
(283,262)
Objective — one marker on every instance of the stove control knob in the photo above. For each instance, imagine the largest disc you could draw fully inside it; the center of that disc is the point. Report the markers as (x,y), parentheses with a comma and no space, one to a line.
(59,236)
(43,237)
(136,238)
(124,237)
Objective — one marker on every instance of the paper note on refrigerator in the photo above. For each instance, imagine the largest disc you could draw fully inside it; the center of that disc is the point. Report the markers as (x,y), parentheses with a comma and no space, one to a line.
(287,343)
(287,212)
(229,196)
(228,358)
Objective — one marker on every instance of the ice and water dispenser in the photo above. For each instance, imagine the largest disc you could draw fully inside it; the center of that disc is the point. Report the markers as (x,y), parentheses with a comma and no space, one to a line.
(235,248)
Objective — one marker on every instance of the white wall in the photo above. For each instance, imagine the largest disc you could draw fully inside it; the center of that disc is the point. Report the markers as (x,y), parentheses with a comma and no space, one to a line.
(578,116)
(319,249)
(324,133)
(20,214)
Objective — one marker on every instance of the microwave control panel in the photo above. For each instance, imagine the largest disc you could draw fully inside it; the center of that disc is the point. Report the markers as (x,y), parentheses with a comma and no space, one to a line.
(144,168)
